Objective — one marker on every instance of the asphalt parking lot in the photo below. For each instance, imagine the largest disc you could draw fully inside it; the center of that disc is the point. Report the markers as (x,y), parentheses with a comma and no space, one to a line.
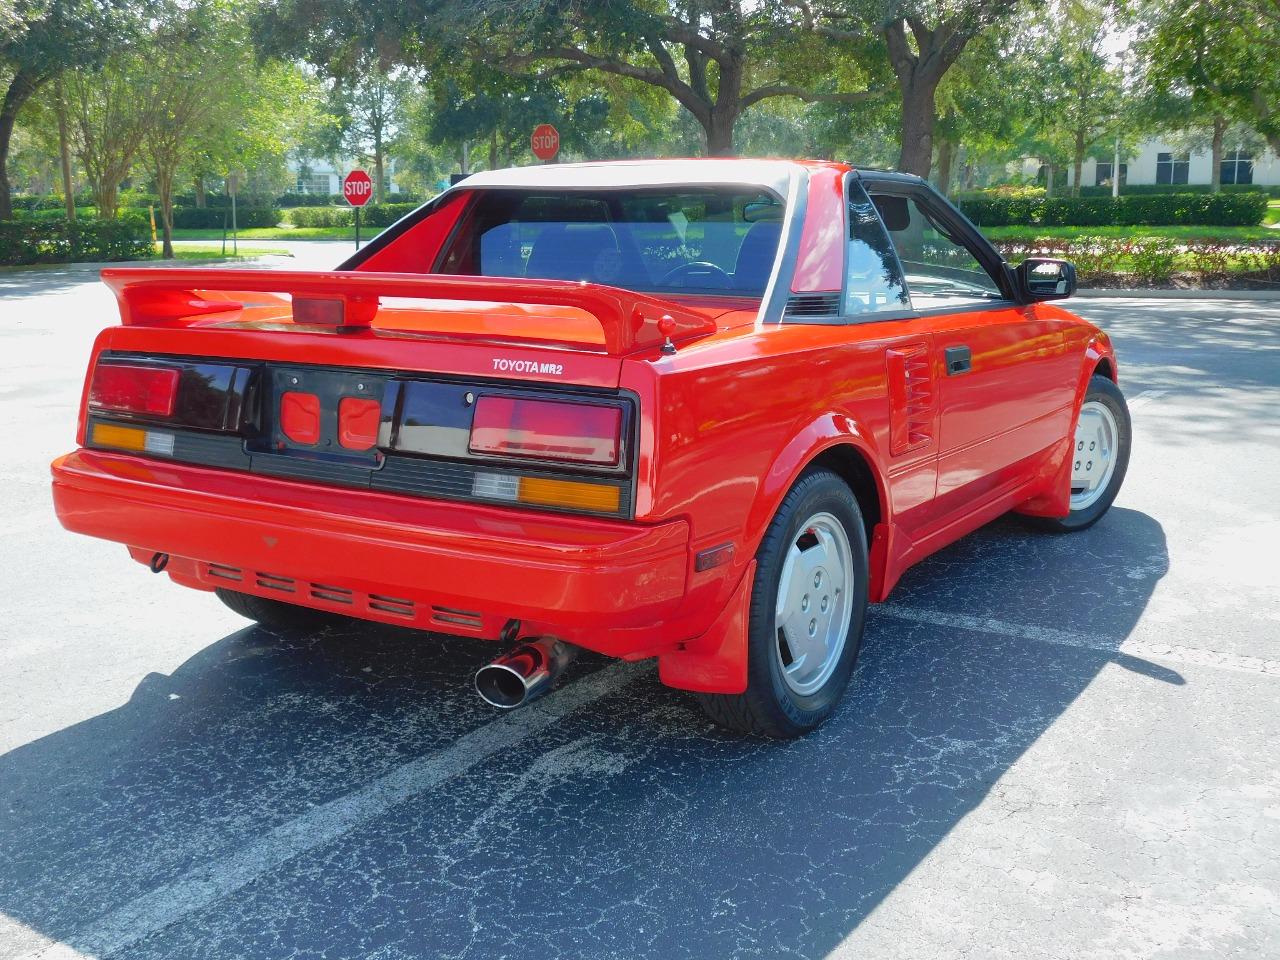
(1054,746)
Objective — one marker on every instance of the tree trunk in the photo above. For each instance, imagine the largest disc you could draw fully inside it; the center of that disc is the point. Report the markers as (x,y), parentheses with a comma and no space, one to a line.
(21,87)
(719,133)
(106,196)
(946,159)
(915,131)
(377,169)
(466,157)
(1215,174)
(201,199)
(164,188)
(1048,179)
(493,150)
(64,155)
(1077,165)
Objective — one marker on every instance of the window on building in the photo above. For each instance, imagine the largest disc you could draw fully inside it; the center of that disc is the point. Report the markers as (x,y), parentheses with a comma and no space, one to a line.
(1102,174)
(1237,167)
(1172,167)
(313,183)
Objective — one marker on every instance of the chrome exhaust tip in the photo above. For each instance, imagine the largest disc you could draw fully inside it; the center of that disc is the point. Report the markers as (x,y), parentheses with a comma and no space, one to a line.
(524,673)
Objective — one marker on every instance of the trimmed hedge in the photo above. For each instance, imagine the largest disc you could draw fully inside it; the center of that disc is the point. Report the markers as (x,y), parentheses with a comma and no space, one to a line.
(382,215)
(1172,209)
(58,241)
(213,218)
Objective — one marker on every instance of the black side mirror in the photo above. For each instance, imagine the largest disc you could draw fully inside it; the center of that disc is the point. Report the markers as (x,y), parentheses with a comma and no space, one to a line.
(1043,278)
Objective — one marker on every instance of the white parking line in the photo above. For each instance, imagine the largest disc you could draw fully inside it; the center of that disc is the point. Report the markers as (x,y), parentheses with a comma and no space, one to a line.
(1191,656)
(1145,397)
(205,884)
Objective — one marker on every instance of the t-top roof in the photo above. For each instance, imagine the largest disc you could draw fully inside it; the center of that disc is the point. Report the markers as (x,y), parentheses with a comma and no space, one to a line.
(775,175)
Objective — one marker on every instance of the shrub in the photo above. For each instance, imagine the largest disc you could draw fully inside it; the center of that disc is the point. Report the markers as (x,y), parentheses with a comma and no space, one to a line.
(214,218)
(1153,259)
(59,241)
(319,216)
(1203,209)
(372,215)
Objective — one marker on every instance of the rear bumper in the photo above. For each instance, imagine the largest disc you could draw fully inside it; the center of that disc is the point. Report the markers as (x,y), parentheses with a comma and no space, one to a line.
(610,586)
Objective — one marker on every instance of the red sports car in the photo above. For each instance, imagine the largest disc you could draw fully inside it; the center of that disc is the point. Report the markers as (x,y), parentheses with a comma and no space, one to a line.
(703,411)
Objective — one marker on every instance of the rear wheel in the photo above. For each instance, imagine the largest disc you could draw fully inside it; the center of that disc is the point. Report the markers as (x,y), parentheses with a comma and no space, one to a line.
(273,613)
(1099,457)
(807,608)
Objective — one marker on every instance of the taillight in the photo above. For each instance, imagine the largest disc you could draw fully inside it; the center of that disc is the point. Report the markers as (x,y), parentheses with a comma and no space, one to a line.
(126,388)
(547,430)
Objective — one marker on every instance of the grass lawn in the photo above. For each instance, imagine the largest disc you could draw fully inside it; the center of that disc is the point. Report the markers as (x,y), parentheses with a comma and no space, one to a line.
(1273,212)
(283,233)
(214,252)
(1242,234)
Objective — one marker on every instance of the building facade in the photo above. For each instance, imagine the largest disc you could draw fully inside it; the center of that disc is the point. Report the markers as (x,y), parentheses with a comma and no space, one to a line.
(1158,162)
(324,177)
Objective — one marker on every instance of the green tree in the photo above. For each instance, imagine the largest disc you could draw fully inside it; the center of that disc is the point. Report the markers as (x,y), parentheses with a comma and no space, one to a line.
(111,109)
(41,38)
(368,114)
(922,40)
(716,58)
(1221,57)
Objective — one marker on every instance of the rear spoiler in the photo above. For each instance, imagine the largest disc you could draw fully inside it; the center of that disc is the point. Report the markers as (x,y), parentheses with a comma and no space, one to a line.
(349,300)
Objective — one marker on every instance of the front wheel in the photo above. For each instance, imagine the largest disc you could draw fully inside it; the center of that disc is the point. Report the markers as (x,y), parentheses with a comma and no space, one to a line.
(808,603)
(1099,456)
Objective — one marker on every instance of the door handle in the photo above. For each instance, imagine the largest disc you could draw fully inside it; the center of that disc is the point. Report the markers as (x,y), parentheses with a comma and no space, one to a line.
(959,360)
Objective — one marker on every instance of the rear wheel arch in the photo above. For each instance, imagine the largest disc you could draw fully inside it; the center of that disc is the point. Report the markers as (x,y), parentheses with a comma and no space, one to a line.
(850,464)
(833,442)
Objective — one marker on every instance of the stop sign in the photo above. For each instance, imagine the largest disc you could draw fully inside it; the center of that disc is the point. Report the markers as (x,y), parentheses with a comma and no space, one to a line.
(545,141)
(357,188)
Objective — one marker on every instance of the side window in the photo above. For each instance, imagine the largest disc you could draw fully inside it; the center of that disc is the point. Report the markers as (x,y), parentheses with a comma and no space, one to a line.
(940,270)
(873,276)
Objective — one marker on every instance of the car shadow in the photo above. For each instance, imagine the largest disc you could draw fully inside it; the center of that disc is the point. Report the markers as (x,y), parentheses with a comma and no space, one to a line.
(632,827)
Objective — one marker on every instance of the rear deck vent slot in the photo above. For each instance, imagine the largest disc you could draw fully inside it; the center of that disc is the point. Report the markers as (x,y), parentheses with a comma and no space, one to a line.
(331,594)
(223,572)
(391,605)
(271,581)
(457,618)
(804,306)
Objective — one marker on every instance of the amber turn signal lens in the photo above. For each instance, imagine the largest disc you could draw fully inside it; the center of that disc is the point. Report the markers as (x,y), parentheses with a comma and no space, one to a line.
(569,494)
(122,438)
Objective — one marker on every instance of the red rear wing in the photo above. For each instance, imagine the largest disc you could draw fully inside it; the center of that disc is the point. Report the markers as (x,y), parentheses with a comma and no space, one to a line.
(350,300)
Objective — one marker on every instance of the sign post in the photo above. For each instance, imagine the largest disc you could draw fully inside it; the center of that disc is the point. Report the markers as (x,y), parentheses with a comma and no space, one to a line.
(545,142)
(357,188)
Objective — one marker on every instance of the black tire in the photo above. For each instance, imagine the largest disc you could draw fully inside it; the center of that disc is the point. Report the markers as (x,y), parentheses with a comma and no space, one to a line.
(1104,391)
(769,707)
(274,613)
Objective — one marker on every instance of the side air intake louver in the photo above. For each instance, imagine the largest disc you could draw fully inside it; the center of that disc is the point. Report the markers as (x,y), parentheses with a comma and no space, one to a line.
(806,306)
(911,398)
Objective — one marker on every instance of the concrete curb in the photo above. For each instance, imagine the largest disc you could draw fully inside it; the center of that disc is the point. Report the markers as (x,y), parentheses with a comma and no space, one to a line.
(1180,294)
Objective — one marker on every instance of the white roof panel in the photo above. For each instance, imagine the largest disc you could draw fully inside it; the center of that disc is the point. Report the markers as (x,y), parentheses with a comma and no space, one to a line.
(774,174)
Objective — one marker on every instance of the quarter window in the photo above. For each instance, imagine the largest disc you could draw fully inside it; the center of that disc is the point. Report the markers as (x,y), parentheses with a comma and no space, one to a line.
(941,271)
(1172,167)
(873,276)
